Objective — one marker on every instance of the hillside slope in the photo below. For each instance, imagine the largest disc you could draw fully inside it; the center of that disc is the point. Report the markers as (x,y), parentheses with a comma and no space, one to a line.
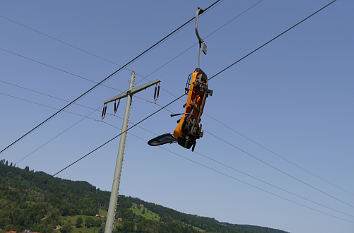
(38,202)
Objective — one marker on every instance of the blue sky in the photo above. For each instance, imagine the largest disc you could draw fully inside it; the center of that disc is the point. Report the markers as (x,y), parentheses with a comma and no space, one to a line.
(295,96)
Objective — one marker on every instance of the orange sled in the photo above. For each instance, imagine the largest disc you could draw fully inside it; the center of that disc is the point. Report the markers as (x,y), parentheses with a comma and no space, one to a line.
(189,128)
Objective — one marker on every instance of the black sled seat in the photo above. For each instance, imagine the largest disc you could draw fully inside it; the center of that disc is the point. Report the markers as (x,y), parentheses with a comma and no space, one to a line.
(162,139)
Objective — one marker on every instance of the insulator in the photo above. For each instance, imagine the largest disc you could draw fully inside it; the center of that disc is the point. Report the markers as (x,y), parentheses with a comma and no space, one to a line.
(104,109)
(158,92)
(155,92)
(116,105)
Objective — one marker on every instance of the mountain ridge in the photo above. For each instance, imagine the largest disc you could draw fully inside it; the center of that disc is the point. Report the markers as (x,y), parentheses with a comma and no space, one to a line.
(36,201)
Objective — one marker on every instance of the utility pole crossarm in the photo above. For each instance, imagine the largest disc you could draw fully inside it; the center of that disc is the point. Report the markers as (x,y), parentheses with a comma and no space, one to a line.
(132,92)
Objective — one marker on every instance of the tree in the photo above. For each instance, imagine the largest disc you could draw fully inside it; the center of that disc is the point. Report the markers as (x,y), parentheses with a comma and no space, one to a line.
(67,228)
(79,222)
(89,222)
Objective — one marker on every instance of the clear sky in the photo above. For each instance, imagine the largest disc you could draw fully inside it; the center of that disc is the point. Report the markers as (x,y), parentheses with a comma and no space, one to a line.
(295,97)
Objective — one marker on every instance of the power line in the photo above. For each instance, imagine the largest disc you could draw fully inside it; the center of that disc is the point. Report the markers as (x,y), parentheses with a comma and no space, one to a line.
(107,60)
(278,154)
(55,97)
(218,73)
(213,77)
(256,178)
(105,143)
(48,65)
(282,33)
(274,38)
(56,136)
(256,187)
(106,78)
(271,184)
(239,171)
(59,40)
(263,45)
(215,135)
(210,168)
(102,58)
(83,117)
(253,51)
(71,45)
(258,49)
(39,104)
(249,184)
(53,67)
(204,156)
(207,36)
(279,170)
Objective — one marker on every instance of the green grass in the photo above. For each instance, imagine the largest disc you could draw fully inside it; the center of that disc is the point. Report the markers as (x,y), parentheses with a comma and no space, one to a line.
(86,230)
(103,212)
(141,211)
(83,228)
(144,212)
(197,228)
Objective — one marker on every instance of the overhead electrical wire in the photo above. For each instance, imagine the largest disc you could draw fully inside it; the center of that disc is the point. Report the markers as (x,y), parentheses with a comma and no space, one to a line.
(102,58)
(57,69)
(282,157)
(257,187)
(210,158)
(253,51)
(71,45)
(56,136)
(248,184)
(50,66)
(213,76)
(83,117)
(198,153)
(279,170)
(257,50)
(106,78)
(39,104)
(59,40)
(272,185)
(239,180)
(207,36)
(266,43)
(116,136)
(6,82)
(210,168)
(271,40)
(251,176)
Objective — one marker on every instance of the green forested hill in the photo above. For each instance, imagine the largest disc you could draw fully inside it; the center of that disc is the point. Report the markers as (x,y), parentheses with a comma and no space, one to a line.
(38,202)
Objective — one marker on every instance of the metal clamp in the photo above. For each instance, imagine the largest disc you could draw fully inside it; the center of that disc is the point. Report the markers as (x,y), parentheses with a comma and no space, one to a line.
(200,40)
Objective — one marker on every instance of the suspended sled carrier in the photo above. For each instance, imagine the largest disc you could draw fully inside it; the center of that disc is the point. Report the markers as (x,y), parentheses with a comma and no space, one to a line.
(189,128)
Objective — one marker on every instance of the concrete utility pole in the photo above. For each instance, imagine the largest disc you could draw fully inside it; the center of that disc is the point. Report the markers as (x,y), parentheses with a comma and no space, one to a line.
(118,170)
